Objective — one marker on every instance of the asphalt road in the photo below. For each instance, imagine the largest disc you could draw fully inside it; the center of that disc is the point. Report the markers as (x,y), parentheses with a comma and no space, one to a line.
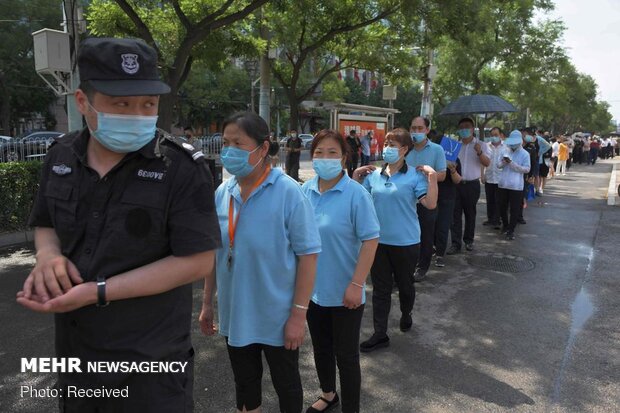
(523,326)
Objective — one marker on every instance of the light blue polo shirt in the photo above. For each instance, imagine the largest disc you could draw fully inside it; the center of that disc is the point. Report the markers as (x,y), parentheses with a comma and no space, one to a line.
(395,200)
(432,155)
(346,217)
(255,294)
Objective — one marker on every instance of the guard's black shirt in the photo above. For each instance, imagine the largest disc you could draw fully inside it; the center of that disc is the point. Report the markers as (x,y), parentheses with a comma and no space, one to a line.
(156,202)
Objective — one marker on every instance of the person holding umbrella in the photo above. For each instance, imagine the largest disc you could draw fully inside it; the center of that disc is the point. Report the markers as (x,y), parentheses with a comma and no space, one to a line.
(473,156)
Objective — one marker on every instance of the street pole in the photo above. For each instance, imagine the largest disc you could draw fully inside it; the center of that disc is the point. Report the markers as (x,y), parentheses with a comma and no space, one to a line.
(425,108)
(265,78)
(71,14)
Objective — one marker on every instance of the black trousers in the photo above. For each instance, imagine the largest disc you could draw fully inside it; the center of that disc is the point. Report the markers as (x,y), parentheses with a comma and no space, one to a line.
(445,209)
(352,164)
(427,219)
(247,366)
(492,209)
(392,264)
(147,392)
(365,160)
(292,167)
(467,196)
(513,200)
(335,333)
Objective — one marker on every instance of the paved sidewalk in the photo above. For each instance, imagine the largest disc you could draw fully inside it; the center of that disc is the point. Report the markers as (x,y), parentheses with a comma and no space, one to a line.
(484,339)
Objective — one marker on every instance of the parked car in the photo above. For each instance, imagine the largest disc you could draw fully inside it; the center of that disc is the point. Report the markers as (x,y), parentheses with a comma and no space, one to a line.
(31,146)
(306,140)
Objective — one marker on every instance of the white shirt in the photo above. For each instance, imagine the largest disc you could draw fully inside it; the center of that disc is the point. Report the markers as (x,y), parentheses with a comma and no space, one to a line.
(512,173)
(471,167)
(492,172)
(555,149)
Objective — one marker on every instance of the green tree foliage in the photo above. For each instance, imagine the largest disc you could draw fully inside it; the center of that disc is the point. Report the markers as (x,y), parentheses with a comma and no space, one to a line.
(181,31)
(316,39)
(209,95)
(21,90)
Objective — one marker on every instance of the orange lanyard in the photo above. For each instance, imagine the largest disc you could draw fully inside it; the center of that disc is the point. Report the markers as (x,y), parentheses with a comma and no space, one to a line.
(232,222)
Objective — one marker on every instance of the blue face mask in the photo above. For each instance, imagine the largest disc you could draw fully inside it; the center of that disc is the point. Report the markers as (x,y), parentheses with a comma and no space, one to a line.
(327,168)
(529,138)
(417,137)
(495,139)
(391,155)
(124,133)
(235,161)
(464,133)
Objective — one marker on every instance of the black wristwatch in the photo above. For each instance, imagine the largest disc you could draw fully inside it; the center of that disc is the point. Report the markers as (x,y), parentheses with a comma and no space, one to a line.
(101,301)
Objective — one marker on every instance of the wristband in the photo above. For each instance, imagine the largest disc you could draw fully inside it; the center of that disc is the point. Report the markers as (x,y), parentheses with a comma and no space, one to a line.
(301,307)
(101,302)
(357,285)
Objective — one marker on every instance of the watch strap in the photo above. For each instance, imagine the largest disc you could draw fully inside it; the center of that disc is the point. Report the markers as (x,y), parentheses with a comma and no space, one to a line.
(101,300)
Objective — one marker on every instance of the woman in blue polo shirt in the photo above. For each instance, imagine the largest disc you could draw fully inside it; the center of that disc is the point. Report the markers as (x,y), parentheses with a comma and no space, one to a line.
(395,189)
(349,236)
(265,269)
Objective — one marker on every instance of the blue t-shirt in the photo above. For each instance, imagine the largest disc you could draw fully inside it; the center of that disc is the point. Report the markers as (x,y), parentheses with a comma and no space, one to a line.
(365,141)
(346,217)
(432,155)
(395,200)
(255,294)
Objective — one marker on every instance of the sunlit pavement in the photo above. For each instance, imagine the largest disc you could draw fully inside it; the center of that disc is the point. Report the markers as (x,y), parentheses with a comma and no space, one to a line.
(541,335)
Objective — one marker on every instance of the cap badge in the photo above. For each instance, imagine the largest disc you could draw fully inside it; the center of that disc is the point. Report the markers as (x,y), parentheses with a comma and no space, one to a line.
(130,63)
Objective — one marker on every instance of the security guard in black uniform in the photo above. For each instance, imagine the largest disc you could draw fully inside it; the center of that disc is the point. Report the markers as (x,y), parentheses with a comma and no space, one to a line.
(124,223)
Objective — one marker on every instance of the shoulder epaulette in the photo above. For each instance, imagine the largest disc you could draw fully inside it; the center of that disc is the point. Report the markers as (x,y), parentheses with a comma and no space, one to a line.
(188,148)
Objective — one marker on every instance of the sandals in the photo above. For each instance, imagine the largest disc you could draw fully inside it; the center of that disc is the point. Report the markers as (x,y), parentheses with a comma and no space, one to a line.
(330,404)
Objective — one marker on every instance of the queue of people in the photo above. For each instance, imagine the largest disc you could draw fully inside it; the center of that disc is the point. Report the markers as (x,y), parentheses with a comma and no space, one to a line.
(127,219)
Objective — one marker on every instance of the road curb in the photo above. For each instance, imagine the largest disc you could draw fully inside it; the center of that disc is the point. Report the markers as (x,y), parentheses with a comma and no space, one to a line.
(14,238)
(612,190)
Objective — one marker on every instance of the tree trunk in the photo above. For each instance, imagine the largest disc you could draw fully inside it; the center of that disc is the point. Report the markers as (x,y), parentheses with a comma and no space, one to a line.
(166,110)
(294,104)
(5,108)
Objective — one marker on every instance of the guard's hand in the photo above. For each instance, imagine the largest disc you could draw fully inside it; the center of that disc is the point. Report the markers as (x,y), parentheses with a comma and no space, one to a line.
(295,329)
(353,297)
(207,326)
(361,172)
(52,276)
(77,297)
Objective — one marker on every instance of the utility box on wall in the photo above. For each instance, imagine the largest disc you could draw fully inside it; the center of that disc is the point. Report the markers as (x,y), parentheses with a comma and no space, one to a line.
(52,51)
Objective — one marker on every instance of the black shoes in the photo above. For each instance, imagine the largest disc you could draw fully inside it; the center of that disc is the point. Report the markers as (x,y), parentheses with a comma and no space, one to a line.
(510,236)
(521,221)
(419,275)
(439,262)
(405,322)
(453,250)
(330,405)
(469,246)
(375,342)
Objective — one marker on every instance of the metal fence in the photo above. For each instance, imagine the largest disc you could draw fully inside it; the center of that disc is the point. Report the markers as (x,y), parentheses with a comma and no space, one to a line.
(18,151)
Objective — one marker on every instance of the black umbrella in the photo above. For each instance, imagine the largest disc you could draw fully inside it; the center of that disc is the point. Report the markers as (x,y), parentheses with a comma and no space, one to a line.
(477,104)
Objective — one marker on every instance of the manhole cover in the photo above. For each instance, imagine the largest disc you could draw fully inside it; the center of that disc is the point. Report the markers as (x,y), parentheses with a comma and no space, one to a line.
(501,262)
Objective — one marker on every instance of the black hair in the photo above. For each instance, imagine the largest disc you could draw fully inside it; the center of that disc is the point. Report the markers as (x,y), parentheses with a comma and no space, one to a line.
(255,127)
(433,136)
(189,128)
(427,122)
(501,132)
(466,119)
